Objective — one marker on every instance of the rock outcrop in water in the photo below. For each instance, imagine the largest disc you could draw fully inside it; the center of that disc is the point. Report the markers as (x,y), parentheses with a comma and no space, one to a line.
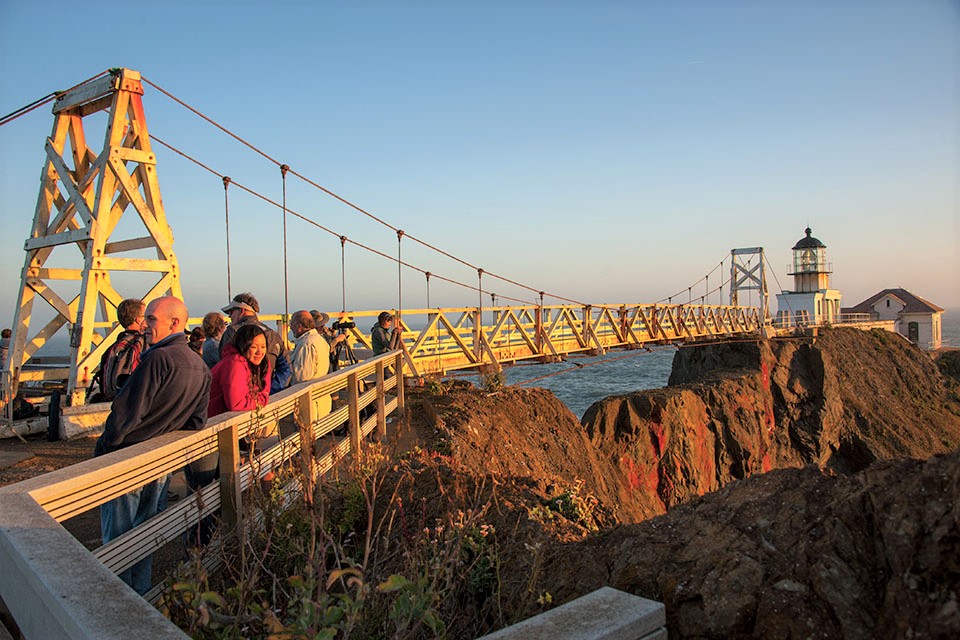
(731,411)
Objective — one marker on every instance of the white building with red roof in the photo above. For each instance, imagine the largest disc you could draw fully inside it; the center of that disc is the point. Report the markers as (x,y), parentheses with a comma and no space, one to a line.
(918,319)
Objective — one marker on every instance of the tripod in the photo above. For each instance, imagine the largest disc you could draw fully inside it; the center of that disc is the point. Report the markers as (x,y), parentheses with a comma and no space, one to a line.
(343,356)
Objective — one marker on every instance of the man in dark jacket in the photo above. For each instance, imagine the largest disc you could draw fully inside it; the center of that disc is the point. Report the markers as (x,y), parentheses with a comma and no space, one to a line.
(168,390)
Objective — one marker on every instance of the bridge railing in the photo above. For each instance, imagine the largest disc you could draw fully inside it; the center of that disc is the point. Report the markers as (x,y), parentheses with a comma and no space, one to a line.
(440,340)
(55,588)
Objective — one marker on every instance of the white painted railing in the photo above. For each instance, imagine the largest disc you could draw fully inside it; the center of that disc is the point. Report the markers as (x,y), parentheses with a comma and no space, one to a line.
(55,588)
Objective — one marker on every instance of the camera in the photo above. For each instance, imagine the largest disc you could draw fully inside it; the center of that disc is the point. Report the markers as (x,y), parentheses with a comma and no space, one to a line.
(341,325)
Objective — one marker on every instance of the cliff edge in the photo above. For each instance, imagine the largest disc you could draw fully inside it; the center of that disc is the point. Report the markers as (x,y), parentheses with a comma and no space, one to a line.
(841,401)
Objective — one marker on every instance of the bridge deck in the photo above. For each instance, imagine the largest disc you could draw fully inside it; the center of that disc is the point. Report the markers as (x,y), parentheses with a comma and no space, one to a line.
(441,340)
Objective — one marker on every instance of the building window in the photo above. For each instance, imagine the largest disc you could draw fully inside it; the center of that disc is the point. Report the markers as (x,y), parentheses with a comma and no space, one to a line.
(888,304)
(913,332)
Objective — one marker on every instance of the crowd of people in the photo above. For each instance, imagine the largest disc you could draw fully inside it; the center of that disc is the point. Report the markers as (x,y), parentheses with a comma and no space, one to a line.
(161,376)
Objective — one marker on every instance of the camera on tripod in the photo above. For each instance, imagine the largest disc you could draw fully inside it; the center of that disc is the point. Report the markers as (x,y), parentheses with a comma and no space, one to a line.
(342,325)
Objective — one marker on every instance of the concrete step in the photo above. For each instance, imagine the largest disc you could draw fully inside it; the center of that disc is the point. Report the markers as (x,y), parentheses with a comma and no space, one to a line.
(605,614)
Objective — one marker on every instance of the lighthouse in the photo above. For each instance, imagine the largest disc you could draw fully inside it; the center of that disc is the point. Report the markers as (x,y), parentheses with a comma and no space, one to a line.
(812,301)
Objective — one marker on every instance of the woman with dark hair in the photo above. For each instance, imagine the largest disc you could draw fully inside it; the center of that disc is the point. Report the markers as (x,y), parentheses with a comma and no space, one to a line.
(241,380)
(195,340)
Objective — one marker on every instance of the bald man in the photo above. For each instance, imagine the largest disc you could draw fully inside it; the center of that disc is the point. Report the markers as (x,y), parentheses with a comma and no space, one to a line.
(167,391)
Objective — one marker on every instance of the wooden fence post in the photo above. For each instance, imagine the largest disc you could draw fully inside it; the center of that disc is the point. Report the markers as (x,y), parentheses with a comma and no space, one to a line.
(381,405)
(477,332)
(538,330)
(622,316)
(353,386)
(401,400)
(228,445)
(307,416)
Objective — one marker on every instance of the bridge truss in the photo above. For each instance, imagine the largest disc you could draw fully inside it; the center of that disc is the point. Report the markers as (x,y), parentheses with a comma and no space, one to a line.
(471,337)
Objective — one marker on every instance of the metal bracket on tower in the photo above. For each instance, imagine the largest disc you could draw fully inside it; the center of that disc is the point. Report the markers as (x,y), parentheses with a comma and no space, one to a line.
(747,276)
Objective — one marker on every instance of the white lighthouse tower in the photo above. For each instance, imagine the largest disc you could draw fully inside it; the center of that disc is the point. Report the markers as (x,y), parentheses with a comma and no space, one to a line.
(812,301)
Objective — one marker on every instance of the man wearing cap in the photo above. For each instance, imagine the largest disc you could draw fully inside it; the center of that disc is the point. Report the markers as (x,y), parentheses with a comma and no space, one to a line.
(243,309)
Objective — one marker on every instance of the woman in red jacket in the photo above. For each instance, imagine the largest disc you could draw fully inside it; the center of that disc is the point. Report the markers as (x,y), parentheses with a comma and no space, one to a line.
(241,380)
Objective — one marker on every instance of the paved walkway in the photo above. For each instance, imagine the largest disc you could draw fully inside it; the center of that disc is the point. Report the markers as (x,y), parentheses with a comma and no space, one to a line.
(10,458)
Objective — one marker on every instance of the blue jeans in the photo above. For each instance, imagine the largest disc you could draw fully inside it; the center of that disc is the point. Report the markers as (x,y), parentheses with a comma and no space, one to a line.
(126,512)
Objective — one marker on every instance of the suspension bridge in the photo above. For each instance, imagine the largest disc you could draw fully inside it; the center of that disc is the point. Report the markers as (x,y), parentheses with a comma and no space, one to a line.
(84,193)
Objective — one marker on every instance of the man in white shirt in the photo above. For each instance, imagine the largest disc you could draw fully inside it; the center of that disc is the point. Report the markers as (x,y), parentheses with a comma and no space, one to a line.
(311,355)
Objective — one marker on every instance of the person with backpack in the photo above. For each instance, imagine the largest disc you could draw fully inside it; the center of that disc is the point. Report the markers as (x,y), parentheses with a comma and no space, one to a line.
(123,356)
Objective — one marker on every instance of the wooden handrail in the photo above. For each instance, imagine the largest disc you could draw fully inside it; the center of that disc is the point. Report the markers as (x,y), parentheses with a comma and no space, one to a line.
(48,601)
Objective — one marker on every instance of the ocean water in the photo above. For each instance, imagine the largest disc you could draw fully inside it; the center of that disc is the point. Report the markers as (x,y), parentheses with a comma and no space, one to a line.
(950,332)
(580,381)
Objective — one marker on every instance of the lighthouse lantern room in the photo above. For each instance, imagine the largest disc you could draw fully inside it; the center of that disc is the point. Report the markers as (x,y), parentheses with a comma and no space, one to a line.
(812,301)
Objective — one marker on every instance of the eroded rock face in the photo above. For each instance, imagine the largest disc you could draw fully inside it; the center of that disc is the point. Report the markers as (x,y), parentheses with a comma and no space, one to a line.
(736,410)
(794,553)
(800,493)
(528,433)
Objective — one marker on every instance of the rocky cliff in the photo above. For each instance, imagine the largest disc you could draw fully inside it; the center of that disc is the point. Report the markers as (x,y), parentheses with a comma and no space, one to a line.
(530,434)
(840,401)
(795,553)
(788,489)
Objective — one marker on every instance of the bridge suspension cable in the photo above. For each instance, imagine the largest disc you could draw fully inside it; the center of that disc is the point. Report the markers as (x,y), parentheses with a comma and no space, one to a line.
(786,299)
(226,208)
(347,202)
(689,289)
(286,289)
(716,289)
(343,239)
(39,102)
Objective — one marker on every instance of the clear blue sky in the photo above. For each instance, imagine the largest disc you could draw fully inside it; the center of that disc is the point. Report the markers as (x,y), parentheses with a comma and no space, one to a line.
(604,151)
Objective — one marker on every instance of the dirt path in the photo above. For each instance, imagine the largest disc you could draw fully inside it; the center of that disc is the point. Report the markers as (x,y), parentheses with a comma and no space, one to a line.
(23,460)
